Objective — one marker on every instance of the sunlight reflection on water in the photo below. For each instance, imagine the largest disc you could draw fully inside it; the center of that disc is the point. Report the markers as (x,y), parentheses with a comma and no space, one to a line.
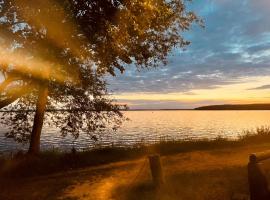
(153,126)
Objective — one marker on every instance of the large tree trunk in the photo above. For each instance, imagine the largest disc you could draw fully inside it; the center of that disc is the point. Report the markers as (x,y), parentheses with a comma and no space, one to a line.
(38,120)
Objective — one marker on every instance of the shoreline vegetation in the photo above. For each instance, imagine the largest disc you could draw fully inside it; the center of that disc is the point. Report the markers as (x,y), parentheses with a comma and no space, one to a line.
(52,161)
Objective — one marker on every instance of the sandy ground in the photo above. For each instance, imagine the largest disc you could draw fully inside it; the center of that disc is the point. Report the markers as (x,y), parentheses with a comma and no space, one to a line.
(217,174)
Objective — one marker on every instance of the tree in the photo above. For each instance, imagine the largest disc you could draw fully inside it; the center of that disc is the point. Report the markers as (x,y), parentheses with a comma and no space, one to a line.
(55,54)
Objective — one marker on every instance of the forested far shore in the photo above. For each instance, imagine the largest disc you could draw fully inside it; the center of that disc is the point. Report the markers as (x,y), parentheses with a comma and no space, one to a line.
(236,107)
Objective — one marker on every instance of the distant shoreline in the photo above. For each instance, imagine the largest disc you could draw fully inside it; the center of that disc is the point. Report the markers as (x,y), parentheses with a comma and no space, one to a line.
(218,107)
(209,107)
(235,107)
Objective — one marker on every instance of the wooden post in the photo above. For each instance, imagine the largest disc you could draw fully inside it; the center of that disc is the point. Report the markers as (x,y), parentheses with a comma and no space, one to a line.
(258,185)
(156,169)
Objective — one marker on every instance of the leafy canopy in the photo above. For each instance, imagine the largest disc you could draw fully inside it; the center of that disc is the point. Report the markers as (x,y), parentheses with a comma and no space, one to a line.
(71,45)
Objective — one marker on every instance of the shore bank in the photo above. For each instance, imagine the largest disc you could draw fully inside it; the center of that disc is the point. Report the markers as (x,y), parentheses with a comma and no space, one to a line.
(216,174)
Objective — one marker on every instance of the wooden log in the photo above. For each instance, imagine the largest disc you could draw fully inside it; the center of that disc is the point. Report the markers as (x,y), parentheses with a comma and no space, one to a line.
(156,169)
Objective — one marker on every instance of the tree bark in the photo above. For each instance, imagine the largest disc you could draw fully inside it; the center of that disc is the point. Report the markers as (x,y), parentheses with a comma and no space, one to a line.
(34,147)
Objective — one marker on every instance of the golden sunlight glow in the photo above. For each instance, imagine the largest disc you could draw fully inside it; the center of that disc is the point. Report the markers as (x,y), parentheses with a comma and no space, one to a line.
(23,64)
(59,33)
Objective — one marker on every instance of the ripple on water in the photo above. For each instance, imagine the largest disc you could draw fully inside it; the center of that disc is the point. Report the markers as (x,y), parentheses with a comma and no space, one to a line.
(153,126)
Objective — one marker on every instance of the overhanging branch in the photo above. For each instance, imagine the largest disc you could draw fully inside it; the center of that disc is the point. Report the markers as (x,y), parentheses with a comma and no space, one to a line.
(9,99)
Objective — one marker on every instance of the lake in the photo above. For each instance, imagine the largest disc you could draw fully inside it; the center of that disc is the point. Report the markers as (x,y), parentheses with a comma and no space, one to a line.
(153,126)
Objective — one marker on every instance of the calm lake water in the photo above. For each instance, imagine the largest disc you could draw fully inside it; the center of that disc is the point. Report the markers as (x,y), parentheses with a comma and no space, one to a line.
(153,126)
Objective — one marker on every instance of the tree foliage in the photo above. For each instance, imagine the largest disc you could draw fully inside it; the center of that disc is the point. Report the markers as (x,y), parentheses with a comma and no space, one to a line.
(70,45)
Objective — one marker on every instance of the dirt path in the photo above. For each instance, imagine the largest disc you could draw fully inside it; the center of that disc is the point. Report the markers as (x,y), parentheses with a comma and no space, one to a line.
(208,175)
(89,183)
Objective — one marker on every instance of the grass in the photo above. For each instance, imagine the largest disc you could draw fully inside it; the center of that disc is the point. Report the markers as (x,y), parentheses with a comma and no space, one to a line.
(212,184)
(54,161)
(193,170)
(217,174)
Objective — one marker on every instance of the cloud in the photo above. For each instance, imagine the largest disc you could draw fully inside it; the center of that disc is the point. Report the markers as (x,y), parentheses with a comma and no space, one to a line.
(234,44)
(263,87)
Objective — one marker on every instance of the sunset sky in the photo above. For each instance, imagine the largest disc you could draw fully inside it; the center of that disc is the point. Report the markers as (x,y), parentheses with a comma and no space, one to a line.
(227,62)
